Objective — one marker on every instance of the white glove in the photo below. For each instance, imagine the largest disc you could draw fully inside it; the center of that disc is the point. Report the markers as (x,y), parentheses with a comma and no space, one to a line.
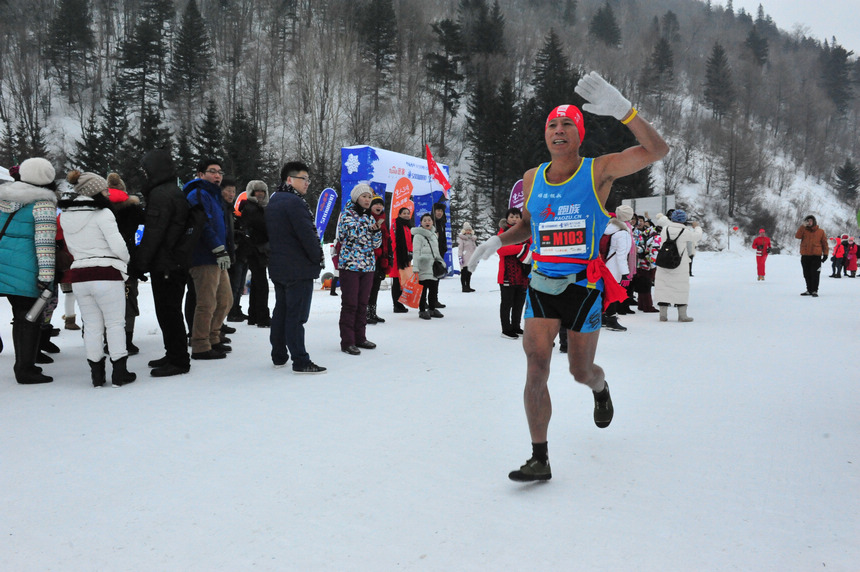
(602,97)
(222,258)
(484,251)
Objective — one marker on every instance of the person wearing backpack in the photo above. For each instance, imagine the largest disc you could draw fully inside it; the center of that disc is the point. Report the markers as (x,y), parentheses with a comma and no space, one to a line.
(672,285)
(615,246)
(165,223)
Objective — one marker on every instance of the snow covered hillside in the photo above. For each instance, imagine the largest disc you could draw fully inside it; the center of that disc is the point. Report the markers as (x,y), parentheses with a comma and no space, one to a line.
(735,445)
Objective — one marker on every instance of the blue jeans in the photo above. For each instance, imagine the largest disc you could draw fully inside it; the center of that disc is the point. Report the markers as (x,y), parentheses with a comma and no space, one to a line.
(292,308)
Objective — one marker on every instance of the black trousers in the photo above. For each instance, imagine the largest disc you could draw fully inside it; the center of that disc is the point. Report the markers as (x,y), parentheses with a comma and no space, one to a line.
(811,271)
(258,298)
(511,307)
(167,291)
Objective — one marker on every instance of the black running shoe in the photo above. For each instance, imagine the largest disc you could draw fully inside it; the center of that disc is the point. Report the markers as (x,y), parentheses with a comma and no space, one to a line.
(533,470)
(603,410)
(309,368)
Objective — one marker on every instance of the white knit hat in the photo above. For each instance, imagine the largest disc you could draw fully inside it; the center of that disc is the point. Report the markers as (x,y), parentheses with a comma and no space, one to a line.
(359,190)
(37,171)
(624,213)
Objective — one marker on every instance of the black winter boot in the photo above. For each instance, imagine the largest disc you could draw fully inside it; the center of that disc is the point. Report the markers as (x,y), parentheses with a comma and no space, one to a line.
(120,375)
(25,338)
(371,314)
(45,343)
(97,372)
(132,349)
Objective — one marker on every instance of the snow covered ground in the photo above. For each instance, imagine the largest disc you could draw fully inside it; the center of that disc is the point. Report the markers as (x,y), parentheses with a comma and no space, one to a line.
(735,445)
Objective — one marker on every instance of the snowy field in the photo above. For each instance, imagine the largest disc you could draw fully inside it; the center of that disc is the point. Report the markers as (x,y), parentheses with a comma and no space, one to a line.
(735,445)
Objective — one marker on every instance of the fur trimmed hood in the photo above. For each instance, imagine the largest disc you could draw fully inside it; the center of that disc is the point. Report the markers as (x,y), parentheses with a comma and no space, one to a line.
(23,193)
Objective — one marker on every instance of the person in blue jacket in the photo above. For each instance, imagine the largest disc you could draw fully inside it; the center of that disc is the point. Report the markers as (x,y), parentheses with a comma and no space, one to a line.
(28,219)
(295,261)
(209,264)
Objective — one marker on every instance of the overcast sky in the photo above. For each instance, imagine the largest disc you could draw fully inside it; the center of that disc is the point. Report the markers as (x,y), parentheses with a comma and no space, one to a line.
(821,19)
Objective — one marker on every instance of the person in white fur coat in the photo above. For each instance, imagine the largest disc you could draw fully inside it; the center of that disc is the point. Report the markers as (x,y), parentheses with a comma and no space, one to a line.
(98,274)
(672,285)
(617,260)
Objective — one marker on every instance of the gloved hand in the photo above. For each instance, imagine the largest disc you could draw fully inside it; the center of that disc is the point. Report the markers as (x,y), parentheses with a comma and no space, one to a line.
(625,280)
(602,97)
(823,258)
(484,251)
(222,257)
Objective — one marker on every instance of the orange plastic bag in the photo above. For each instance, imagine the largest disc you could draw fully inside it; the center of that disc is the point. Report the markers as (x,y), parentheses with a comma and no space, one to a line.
(411,295)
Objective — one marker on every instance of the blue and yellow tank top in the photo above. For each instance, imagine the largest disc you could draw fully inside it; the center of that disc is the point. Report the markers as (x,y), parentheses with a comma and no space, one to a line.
(567,221)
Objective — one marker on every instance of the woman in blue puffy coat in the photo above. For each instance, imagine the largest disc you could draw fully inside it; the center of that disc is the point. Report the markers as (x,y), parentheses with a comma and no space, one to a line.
(358,235)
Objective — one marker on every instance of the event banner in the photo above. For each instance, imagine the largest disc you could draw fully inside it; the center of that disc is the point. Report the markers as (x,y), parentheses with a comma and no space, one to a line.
(397,178)
(325,206)
(517,196)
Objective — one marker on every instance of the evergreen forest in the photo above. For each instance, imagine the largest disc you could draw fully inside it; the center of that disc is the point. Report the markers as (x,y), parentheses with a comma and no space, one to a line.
(745,105)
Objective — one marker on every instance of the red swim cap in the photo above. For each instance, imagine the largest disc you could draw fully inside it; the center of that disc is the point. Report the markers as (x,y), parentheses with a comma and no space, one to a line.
(573,113)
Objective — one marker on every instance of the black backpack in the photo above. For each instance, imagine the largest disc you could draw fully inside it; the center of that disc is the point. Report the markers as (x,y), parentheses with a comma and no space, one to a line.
(194,225)
(668,255)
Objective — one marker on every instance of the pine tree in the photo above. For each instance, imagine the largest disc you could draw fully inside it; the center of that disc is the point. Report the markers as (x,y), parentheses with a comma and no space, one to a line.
(604,27)
(139,66)
(847,181)
(379,31)
(836,75)
(71,40)
(491,123)
(186,158)
(443,71)
(719,88)
(8,146)
(658,74)
(671,28)
(114,128)
(209,136)
(89,154)
(757,45)
(192,63)
(243,159)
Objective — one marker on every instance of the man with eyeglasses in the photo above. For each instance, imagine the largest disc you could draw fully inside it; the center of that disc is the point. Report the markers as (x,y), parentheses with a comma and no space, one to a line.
(295,261)
(209,264)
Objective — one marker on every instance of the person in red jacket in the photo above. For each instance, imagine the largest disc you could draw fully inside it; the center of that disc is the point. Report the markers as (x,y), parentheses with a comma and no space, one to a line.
(837,257)
(513,278)
(384,257)
(761,244)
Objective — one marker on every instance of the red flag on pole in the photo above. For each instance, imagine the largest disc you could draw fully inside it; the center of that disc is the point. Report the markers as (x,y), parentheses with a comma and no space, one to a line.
(436,173)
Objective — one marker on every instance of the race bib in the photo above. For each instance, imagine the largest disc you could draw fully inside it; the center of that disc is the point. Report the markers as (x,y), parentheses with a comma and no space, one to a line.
(562,237)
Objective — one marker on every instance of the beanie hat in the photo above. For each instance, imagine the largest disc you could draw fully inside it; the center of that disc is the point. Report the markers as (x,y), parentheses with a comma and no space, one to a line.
(114,181)
(679,216)
(624,213)
(359,190)
(86,184)
(37,171)
(761,230)
(572,112)
(467,226)
(377,200)
(117,195)
(845,236)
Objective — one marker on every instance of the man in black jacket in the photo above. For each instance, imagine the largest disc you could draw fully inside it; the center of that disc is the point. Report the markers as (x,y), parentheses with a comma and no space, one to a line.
(165,223)
(295,261)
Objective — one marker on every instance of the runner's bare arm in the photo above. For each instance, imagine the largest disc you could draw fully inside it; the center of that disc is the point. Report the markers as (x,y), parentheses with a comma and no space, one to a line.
(522,230)
(609,167)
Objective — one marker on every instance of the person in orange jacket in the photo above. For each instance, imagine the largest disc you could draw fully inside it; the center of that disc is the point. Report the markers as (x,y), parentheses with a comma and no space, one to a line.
(813,253)
(761,244)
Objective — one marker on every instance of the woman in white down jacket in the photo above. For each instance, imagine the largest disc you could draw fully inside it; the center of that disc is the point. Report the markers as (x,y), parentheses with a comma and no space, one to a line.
(672,285)
(98,274)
